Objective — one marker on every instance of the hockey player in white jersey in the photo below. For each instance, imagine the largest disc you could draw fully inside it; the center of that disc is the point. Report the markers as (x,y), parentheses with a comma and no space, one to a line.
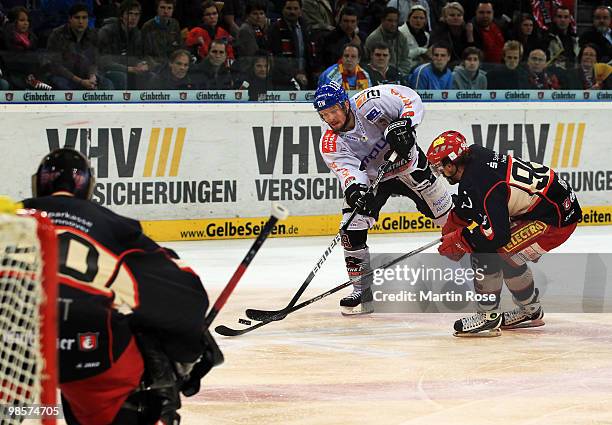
(357,135)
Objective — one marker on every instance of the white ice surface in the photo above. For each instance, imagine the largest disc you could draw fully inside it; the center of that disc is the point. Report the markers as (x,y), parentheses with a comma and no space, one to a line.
(286,262)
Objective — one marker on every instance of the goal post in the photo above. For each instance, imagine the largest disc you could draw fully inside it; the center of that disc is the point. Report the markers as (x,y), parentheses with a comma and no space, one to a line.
(28,310)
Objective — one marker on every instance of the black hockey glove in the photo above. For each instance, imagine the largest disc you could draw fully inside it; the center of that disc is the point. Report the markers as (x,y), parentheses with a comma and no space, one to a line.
(211,357)
(159,382)
(401,137)
(357,196)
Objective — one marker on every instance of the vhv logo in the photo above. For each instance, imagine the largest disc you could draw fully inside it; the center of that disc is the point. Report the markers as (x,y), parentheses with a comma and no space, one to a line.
(568,145)
(296,146)
(163,149)
(565,138)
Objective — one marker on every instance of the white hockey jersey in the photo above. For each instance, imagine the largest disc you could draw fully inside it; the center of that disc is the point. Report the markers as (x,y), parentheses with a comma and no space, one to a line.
(356,155)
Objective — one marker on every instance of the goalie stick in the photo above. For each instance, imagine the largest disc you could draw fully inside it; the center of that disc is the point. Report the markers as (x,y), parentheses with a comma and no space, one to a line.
(262,315)
(278,213)
(226,331)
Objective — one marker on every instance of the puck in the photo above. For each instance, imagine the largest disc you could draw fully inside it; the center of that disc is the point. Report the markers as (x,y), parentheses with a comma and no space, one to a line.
(244,321)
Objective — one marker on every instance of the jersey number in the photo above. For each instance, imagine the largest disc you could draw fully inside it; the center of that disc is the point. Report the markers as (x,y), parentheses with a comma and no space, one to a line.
(82,262)
(531,176)
(78,257)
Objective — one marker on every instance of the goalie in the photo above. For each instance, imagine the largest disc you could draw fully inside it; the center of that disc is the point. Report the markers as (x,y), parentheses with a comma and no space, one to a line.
(131,317)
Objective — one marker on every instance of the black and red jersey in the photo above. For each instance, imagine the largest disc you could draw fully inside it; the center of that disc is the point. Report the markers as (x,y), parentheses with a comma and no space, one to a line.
(496,189)
(115,281)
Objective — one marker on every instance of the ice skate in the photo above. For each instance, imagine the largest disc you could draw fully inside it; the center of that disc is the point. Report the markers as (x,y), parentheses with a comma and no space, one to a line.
(358,302)
(524,316)
(484,324)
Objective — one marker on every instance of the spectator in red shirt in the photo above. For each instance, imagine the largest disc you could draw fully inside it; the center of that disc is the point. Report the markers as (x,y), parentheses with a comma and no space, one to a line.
(200,37)
(486,34)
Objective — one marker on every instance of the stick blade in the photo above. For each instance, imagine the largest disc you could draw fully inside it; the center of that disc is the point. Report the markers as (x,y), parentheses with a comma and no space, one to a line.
(265,315)
(225,331)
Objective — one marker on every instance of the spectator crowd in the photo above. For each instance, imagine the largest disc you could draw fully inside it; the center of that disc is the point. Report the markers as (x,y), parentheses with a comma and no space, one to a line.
(262,45)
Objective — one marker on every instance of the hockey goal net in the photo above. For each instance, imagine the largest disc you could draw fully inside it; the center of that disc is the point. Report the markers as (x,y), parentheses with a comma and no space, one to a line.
(28,300)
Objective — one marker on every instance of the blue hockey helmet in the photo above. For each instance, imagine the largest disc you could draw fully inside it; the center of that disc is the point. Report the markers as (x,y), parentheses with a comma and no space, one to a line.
(328,95)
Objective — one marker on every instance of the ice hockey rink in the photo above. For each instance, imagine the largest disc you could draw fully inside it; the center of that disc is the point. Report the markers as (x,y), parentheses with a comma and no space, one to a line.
(318,367)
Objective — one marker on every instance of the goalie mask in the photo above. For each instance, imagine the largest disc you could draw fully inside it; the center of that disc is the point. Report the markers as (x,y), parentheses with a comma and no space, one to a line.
(64,170)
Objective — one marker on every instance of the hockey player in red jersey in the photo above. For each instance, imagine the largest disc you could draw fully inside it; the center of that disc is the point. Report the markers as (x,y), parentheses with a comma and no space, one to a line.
(521,210)
(131,333)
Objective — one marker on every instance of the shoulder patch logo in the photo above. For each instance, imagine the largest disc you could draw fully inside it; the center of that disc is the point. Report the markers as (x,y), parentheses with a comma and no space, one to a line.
(365,96)
(328,142)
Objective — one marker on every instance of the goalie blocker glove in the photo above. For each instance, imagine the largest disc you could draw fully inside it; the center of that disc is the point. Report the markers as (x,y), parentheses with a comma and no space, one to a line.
(400,136)
(357,196)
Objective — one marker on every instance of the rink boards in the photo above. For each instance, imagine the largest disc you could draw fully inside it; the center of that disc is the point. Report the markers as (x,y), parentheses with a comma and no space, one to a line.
(211,171)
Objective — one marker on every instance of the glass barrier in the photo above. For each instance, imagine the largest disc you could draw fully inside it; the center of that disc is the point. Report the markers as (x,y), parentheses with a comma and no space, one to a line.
(44,76)
(118,63)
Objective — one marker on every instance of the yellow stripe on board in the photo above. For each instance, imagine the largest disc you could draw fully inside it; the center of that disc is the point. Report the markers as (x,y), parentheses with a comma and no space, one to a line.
(153,139)
(165,150)
(557,147)
(178,151)
(578,148)
(312,225)
(569,141)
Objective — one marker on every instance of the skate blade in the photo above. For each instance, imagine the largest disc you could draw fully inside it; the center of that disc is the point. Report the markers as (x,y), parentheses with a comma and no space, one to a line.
(365,308)
(525,325)
(484,334)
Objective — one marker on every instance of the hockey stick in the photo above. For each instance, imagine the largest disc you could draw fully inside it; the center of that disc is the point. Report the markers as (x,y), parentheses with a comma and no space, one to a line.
(226,331)
(262,315)
(278,213)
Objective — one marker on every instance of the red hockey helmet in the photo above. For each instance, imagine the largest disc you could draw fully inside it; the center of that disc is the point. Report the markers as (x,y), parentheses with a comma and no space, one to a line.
(448,145)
